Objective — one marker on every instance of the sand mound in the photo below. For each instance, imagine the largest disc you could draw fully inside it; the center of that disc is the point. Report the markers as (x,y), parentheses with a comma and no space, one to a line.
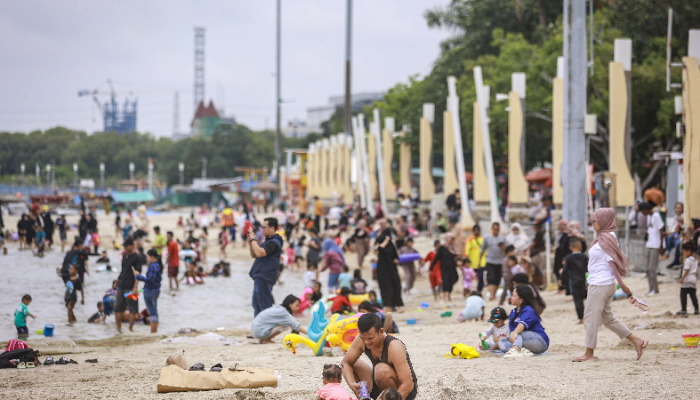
(661,325)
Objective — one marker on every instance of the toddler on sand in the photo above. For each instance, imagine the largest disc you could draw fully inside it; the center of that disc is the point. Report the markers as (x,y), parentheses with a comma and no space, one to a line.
(390,394)
(497,331)
(468,276)
(332,384)
(21,313)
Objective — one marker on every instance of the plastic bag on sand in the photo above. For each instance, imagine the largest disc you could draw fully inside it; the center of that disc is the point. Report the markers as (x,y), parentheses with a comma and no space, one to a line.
(177,359)
(641,305)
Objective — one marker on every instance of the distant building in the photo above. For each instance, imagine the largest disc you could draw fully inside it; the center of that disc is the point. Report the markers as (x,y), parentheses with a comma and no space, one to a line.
(120,121)
(181,135)
(205,120)
(297,129)
(358,100)
(315,116)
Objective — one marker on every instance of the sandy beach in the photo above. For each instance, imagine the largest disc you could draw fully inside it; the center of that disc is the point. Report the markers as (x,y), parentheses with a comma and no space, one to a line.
(129,364)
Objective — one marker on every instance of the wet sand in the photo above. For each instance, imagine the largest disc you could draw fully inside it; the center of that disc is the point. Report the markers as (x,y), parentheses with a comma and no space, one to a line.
(129,364)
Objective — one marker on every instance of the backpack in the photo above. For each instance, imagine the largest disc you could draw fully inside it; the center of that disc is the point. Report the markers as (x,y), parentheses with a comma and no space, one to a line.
(10,359)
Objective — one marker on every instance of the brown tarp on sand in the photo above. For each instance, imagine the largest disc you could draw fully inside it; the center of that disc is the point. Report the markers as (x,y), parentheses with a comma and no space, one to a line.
(175,379)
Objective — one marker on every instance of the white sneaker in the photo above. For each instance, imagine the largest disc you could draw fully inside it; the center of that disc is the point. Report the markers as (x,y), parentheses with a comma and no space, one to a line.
(652,293)
(512,353)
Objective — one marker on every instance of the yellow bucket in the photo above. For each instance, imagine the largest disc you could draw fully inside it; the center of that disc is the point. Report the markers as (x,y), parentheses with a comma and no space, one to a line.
(691,341)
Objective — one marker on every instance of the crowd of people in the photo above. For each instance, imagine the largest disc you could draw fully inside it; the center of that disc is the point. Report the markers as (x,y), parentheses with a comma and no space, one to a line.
(314,238)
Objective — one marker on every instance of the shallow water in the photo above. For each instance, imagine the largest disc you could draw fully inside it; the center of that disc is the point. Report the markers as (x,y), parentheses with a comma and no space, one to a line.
(220,302)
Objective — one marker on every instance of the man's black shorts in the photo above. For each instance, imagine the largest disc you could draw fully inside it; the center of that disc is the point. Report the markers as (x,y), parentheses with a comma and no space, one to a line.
(493,274)
(123,303)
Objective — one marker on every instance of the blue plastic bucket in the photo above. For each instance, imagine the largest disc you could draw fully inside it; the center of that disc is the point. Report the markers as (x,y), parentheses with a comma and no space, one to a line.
(48,330)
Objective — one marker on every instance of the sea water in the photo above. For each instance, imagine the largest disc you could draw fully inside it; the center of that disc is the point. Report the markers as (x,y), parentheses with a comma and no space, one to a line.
(219,302)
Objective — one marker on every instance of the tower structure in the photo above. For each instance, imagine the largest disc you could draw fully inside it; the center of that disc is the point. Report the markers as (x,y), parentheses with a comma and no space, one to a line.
(198,66)
(176,113)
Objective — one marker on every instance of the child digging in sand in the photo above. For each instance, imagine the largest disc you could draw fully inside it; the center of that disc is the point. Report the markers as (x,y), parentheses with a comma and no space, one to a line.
(390,394)
(497,331)
(332,384)
(474,308)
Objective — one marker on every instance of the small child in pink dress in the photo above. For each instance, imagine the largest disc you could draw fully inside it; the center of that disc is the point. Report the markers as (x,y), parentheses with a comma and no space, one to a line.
(468,276)
(332,384)
(290,255)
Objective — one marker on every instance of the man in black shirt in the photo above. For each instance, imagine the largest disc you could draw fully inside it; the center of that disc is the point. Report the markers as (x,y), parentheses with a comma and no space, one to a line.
(266,266)
(127,283)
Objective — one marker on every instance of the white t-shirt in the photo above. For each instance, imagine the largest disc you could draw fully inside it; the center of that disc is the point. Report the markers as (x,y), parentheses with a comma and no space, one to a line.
(406,204)
(494,332)
(691,265)
(309,277)
(334,213)
(654,230)
(599,271)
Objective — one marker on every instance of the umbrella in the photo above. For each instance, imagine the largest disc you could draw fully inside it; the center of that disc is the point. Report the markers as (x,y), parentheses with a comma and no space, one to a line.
(541,175)
(267,186)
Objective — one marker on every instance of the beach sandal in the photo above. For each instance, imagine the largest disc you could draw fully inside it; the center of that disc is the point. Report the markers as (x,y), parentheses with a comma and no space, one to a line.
(72,361)
(216,368)
(22,365)
(512,353)
(640,353)
(526,353)
(683,313)
(92,361)
(49,361)
(30,365)
(62,361)
(197,367)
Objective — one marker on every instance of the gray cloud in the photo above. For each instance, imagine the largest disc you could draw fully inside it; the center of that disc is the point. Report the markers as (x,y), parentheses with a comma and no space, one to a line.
(53,49)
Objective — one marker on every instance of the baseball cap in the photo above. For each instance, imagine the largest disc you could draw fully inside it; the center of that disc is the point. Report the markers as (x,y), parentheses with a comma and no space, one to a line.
(497,314)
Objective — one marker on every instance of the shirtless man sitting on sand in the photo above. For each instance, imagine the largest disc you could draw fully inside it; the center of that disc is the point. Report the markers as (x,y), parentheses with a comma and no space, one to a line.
(391,366)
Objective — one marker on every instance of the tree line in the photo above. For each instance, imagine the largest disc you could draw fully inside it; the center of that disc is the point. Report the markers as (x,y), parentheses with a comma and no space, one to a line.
(231,146)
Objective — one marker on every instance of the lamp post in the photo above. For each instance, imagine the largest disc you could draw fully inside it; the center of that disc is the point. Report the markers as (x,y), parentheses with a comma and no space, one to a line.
(102,175)
(131,171)
(150,175)
(204,168)
(21,167)
(48,174)
(75,174)
(181,167)
(37,171)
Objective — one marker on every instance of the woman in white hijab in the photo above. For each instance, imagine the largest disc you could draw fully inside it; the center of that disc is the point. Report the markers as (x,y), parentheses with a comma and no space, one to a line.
(519,240)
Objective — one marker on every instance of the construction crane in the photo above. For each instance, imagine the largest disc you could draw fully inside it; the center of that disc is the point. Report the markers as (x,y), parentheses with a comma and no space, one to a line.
(120,121)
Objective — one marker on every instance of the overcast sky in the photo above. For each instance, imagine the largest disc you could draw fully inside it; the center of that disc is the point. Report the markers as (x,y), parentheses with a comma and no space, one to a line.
(52,49)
